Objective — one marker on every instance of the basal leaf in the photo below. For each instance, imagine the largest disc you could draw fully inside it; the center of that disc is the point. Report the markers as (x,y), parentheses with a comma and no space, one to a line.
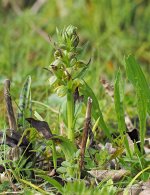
(66,145)
(118,99)
(40,126)
(24,102)
(53,182)
(137,78)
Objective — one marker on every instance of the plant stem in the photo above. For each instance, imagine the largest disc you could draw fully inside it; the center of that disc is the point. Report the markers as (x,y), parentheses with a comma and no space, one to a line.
(9,107)
(85,132)
(70,113)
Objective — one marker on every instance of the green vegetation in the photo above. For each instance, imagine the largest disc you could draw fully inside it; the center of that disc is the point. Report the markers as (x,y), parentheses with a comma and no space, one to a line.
(61,134)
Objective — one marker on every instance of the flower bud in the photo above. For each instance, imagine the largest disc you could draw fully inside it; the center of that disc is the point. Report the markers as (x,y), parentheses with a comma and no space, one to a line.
(72,35)
(57,54)
(68,38)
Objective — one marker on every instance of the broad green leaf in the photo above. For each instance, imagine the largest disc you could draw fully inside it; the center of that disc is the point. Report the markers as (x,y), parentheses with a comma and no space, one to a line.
(118,99)
(137,78)
(96,112)
(24,103)
(140,84)
(62,170)
(119,107)
(142,111)
(66,145)
(53,182)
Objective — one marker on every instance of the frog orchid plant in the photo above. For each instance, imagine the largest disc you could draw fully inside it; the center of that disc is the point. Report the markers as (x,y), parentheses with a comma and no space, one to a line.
(68,71)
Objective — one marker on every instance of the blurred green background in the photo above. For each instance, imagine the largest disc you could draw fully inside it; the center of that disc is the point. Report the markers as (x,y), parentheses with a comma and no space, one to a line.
(109,30)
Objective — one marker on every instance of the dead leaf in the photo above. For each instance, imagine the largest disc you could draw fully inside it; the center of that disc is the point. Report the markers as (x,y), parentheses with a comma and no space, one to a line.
(141,188)
(41,126)
(146,185)
(115,175)
(3,178)
(145,192)
(12,138)
(110,148)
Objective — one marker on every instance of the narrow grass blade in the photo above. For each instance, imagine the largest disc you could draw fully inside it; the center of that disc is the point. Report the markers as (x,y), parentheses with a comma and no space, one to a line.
(33,186)
(46,106)
(93,130)
(96,112)
(126,191)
